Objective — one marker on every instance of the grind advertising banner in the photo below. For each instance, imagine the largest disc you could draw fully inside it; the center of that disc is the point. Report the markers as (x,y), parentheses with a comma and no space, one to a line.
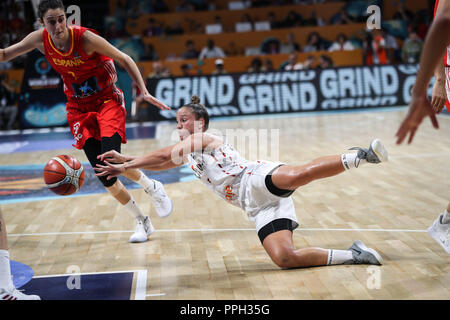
(42,101)
(287,91)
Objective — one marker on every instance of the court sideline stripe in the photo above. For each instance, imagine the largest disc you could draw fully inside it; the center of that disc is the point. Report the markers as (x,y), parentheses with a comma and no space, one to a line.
(204,230)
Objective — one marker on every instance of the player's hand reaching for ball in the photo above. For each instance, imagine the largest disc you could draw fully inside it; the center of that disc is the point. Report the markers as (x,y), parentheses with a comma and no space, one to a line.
(112,156)
(151,99)
(110,170)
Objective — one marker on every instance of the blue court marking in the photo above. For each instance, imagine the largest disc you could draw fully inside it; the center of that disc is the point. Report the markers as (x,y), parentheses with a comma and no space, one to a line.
(101,286)
(61,138)
(21,273)
(24,183)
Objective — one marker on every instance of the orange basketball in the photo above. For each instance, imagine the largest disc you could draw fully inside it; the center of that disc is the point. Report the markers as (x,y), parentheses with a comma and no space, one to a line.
(64,175)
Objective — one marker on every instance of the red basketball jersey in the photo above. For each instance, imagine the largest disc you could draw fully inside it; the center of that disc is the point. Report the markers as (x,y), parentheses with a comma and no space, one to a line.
(447,59)
(84,76)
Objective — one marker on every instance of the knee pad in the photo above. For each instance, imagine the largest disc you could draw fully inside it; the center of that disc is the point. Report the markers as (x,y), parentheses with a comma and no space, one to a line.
(92,148)
(107,183)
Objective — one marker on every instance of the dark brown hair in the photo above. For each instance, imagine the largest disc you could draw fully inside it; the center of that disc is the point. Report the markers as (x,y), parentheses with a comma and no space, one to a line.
(199,110)
(45,5)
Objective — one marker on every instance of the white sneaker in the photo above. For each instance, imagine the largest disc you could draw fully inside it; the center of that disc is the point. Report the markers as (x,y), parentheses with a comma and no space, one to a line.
(144,229)
(15,294)
(163,204)
(441,233)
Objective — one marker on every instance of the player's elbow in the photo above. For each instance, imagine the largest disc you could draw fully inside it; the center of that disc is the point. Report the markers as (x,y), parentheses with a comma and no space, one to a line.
(443,21)
(124,60)
(163,156)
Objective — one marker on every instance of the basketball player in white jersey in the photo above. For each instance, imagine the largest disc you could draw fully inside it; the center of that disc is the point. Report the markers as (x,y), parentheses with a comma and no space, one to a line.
(435,58)
(7,289)
(262,189)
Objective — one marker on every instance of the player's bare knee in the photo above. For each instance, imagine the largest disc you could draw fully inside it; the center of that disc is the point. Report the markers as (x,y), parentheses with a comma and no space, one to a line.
(284,258)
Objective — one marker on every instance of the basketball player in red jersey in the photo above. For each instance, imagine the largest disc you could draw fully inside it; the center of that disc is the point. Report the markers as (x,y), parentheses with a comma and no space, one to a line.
(433,59)
(95,107)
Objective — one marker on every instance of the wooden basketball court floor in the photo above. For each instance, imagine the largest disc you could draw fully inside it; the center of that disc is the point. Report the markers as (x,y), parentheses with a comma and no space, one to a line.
(208,249)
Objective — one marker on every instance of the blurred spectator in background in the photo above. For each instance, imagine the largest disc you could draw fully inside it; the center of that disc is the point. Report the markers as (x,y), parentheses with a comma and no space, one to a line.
(195,26)
(112,32)
(374,51)
(220,68)
(218,21)
(314,43)
(412,47)
(184,6)
(314,20)
(342,17)
(270,45)
(256,65)
(159,6)
(293,19)
(150,53)
(159,71)
(134,12)
(175,29)
(211,51)
(393,52)
(191,52)
(210,5)
(403,13)
(120,15)
(274,24)
(268,65)
(325,62)
(246,18)
(186,69)
(420,24)
(153,30)
(8,104)
(309,62)
(341,43)
(293,64)
(292,44)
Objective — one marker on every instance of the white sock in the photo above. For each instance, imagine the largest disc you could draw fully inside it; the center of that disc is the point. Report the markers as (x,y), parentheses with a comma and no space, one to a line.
(338,256)
(351,160)
(5,271)
(146,182)
(135,211)
(445,217)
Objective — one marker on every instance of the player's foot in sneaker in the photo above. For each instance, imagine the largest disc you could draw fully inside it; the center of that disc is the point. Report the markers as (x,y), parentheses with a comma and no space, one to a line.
(375,154)
(163,204)
(441,233)
(364,255)
(144,229)
(14,294)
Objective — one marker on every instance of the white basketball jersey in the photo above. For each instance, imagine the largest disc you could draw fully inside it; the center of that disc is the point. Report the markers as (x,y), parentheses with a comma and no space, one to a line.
(220,170)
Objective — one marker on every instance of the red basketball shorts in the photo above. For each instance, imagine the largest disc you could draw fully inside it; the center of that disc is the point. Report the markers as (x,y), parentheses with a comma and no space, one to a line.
(101,117)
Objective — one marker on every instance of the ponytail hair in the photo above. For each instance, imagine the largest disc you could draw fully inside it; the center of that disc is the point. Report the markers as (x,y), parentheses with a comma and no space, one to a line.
(199,110)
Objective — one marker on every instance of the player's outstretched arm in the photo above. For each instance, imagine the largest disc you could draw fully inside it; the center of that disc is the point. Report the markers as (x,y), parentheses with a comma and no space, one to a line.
(436,41)
(30,42)
(94,43)
(169,157)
